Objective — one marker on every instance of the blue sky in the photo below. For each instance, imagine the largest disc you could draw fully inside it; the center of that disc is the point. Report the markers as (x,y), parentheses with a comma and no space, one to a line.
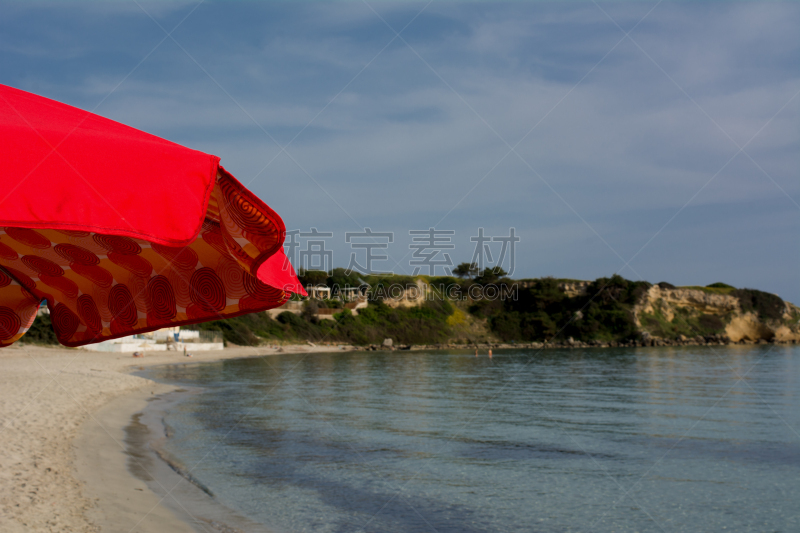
(607,153)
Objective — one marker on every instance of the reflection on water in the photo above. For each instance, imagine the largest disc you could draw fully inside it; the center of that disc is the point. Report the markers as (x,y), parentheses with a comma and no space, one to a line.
(657,439)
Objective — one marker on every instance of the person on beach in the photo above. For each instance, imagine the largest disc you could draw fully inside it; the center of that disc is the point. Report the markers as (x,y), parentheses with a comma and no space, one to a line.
(476,352)
(490,353)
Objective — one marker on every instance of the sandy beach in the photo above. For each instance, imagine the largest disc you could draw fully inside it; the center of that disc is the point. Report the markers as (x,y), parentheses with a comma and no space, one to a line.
(63,465)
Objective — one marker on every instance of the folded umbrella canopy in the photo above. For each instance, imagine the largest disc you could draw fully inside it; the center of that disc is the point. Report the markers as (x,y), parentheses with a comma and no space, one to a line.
(122,232)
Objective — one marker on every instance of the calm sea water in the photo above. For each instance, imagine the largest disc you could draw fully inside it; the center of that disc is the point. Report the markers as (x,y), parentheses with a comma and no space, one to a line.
(649,439)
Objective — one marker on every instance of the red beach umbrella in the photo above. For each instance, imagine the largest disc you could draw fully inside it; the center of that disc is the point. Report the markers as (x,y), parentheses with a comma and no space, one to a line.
(122,232)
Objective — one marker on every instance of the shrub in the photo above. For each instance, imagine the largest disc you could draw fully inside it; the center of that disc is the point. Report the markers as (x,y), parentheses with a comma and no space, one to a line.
(426,324)
(490,275)
(290,319)
(712,323)
(344,317)
(444,284)
(720,285)
(486,308)
(542,310)
(310,308)
(41,331)
(766,305)
(537,326)
(507,326)
(312,277)
(340,279)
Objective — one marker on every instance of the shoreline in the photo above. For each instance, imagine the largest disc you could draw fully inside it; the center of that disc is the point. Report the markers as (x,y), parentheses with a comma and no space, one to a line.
(648,342)
(102,462)
(143,488)
(64,411)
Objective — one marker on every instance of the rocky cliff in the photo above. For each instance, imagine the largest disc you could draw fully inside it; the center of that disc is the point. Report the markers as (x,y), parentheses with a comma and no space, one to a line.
(616,311)
(740,314)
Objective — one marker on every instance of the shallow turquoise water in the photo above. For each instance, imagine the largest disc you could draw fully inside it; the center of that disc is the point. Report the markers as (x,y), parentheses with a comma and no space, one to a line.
(648,439)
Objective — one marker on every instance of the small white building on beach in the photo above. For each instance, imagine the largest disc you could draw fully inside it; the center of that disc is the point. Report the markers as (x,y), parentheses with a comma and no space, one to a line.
(162,340)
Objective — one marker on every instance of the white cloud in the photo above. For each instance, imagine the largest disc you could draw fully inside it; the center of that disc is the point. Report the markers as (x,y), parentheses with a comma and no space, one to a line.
(397,148)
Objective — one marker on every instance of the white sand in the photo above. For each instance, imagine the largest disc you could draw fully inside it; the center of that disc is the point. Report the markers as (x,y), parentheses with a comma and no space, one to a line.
(53,400)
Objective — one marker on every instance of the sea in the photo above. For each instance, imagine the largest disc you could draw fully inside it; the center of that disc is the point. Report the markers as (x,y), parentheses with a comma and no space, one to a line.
(663,439)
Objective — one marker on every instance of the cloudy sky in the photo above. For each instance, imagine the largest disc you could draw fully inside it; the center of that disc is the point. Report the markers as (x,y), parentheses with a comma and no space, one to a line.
(657,140)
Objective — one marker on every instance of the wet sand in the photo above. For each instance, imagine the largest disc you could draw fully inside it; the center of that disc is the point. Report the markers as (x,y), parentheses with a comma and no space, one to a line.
(66,429)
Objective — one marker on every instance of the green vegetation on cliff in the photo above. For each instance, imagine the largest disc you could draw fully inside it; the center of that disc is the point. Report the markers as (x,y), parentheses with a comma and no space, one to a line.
(542,311)
(426,324)
(485,306)
(684,322)
(766,305)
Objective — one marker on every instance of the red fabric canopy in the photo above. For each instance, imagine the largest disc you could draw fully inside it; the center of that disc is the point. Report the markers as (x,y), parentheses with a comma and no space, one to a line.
(123,232)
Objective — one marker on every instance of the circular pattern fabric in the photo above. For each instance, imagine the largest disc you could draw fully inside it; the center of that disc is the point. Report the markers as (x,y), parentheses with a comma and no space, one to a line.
(210,225)
(138,287)
(122,306)
(208,291)
(100,295)
(9,323)
(22,278)
(181,258)
(232,277)
(89,243)
(259,290)
(181,287)
(5,279)
(65,322)
(244,213)
(237,251)
(51,255)
(27,306)
(195,312)
(101,286)
(28,237)
(94,273)
(66,286)
(136,264)
(162,299)
(77,254)
(118,244)
(216,242)
(42,265)
(89,314)
(8,253)
(73,233)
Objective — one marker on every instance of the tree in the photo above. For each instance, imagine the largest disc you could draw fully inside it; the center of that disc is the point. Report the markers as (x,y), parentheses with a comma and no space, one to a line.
(340,279)
(312,277)
(466,270)
(310,309)
(490,275)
